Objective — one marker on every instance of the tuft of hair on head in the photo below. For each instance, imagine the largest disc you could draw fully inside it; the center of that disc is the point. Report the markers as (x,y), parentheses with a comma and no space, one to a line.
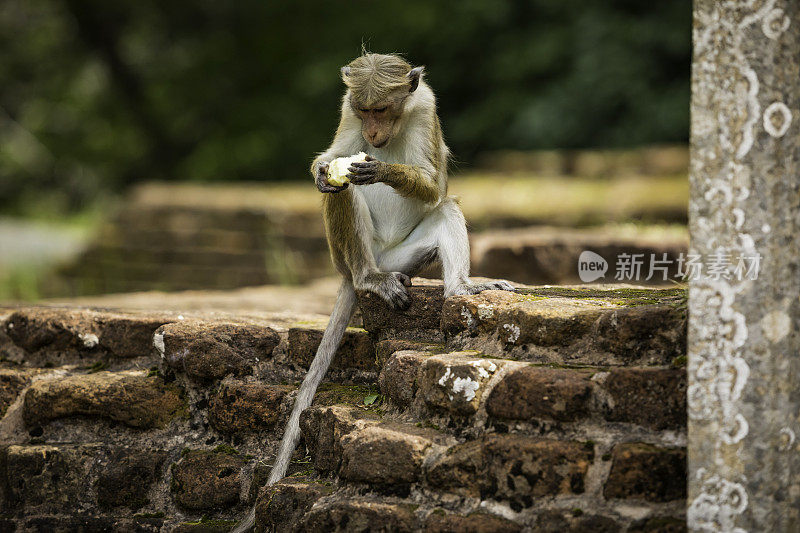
(372,78)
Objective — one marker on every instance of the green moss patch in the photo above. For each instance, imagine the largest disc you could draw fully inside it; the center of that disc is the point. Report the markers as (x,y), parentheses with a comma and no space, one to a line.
(626,297)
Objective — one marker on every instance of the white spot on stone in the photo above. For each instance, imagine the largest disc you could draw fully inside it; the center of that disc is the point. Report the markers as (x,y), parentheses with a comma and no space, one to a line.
(735,376)
(738,215)
(776,325)
(158,342)
(513,332)
(784,120)
(766,228)
(499,509)
(447,375)
(469,320)
(787,438)
(484,372)
(717,505)
(180,317)
(10,325)
(89,340)
(485,312)
(775,23)
(752,101)
(738,430)
(467,386)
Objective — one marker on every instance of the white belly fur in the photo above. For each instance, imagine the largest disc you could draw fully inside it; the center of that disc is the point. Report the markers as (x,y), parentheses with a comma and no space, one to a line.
(393,216)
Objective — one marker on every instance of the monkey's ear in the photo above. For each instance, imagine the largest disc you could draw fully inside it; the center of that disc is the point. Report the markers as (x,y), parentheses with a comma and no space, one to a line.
(414,75)
(345,72)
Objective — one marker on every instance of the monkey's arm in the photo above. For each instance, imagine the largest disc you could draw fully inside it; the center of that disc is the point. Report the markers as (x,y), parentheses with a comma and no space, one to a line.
(410,181)
(347,141)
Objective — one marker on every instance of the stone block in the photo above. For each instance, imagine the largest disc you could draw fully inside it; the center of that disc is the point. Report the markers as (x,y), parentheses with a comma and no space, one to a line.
(424,314)
(456,382)
(12,381)
(52,478)
(513,468)
(440,522)
(360,515)
(130,397)
(127,477)
(323,429)
(281,507)
(646,472)
(356,351)
(650,397)
(246,406)
(210,350)
(398,379)
(384,454)
(207,480)
(540,392)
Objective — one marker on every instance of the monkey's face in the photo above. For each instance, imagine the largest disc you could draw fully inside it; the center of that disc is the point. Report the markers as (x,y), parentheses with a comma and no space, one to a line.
(379,121)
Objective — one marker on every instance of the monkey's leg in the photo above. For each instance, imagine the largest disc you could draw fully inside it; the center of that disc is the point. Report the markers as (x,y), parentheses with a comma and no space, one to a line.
(348,225)
(443,232)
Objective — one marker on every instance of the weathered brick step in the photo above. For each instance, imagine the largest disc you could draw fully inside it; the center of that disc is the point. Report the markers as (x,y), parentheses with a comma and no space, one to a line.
(136,399)
(204,347)
(79,478)
(142,523)
(290,506)
(462,384)
(83,524)
(599,325)
(207,351)
(141,405)
(517,471)
(103,487)
(53,336)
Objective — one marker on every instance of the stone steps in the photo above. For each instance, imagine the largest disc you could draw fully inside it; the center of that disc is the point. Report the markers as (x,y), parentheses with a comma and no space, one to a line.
(431,420)
(603,325)
(204,346)
(461,385)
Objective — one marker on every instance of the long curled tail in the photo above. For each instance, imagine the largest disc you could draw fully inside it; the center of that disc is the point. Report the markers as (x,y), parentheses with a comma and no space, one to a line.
(340,317)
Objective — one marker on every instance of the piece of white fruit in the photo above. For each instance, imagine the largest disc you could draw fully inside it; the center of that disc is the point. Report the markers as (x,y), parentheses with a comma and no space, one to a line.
(337,169)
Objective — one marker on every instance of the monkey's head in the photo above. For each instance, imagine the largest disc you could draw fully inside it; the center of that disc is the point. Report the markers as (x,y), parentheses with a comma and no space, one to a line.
(378,88)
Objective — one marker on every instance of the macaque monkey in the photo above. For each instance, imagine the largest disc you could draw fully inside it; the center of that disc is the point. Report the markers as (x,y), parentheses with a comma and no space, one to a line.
(393,218)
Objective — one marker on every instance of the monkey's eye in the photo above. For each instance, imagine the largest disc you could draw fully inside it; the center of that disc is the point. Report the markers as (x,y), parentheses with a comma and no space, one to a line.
(363,110)
(381,110)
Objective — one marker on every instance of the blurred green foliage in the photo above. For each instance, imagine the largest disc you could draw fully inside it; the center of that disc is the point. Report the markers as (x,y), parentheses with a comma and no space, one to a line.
(97,95)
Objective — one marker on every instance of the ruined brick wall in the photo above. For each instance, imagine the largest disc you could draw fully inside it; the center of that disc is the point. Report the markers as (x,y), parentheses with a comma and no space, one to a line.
(550,409)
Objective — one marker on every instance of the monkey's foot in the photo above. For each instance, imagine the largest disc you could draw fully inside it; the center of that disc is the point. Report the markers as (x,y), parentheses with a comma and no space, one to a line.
(391,286)
(475,288)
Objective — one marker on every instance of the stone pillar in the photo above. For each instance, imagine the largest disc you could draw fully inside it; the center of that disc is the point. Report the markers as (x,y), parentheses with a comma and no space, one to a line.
(744,338)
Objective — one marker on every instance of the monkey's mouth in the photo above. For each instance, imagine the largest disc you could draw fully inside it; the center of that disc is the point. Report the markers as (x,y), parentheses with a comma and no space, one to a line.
(381,144)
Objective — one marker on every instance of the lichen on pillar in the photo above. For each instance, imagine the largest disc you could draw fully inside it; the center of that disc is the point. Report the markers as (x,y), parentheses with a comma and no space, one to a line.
(744,322)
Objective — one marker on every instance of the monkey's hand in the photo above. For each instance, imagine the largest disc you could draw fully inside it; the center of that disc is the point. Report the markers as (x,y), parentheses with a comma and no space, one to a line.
(321,179)
(366,172)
